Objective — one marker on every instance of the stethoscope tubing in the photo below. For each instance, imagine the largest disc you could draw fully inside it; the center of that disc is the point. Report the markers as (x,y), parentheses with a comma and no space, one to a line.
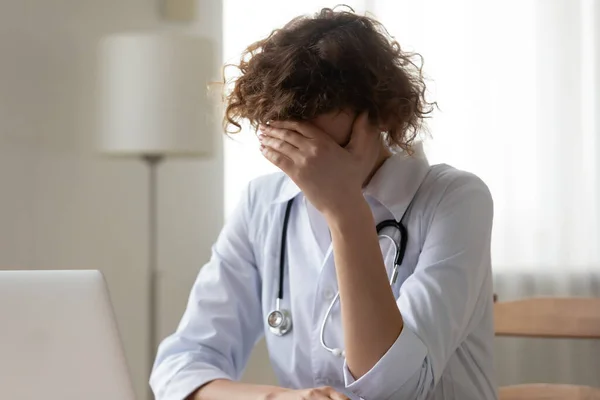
(286,220)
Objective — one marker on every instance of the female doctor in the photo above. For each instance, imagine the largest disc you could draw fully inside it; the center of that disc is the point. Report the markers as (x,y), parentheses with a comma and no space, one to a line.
(367,269)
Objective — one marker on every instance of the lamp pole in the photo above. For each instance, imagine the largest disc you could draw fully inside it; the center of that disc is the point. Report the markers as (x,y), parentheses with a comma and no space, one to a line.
(152,106)
(152,161)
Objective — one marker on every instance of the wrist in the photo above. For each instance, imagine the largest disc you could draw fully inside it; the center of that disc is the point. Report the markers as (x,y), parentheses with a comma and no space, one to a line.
(348,211)
(273,393)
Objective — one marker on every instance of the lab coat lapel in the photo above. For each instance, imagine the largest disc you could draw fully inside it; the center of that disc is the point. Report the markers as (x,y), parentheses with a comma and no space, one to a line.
(397,181)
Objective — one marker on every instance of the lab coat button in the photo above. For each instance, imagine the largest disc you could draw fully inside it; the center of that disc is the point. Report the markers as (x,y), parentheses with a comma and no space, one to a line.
(328,294)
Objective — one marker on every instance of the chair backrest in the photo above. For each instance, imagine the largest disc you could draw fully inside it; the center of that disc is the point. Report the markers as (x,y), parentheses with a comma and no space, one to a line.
(542,391)
(548,318)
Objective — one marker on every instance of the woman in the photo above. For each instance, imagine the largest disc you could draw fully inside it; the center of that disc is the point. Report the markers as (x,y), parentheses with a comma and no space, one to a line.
(339,105)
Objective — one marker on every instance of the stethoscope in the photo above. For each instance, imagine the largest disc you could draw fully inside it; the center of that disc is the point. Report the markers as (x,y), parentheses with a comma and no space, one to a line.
(280,320)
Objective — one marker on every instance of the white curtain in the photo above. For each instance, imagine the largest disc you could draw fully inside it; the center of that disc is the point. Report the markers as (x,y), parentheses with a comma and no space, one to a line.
(518,85)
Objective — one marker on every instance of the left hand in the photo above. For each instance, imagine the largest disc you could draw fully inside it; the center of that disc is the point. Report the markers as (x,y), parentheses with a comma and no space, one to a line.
(330,176)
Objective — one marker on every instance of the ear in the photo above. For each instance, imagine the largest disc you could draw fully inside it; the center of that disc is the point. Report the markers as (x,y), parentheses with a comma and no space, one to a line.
(384,126)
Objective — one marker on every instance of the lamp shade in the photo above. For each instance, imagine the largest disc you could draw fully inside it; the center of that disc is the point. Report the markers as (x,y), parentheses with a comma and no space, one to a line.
(153,94)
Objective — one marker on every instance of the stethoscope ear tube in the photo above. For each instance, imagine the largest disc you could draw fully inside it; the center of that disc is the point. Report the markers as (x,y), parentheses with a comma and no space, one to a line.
(391,223)
(402,247)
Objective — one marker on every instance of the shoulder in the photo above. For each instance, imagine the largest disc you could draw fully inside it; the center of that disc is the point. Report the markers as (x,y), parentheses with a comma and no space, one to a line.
(261,195)
(265,189)
(447,178)
(449,187)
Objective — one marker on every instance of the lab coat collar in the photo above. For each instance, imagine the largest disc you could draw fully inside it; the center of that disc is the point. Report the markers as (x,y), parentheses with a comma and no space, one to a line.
(289,190)
(394,184)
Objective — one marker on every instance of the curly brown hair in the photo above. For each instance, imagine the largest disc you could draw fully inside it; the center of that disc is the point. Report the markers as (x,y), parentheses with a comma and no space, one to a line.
(331,61)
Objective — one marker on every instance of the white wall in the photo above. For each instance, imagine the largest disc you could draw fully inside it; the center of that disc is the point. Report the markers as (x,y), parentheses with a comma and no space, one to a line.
(64,206)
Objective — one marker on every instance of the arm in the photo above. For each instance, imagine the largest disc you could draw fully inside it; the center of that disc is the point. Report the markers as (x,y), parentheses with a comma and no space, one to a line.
(221,324)
(225,389)
(222,320)
(369,310)
(437,304)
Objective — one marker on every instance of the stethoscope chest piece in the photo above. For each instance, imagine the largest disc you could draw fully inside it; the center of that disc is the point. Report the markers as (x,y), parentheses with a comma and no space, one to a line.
(279,321)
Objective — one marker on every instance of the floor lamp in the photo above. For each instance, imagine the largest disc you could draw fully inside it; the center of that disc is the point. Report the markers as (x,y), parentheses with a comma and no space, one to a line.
(154,104)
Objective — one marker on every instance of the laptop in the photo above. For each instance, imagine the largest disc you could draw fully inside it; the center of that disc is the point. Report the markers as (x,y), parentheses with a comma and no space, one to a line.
(59,338)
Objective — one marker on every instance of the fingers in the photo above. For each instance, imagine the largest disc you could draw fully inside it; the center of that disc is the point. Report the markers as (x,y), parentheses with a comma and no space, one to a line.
(292,137)
(279,146)
(306,129)
(317,396)
(276,158)
(291,144)
(338,396)
(326,392)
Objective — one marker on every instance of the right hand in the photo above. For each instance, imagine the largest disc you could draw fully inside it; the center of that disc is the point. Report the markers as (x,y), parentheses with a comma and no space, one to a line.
(321,393)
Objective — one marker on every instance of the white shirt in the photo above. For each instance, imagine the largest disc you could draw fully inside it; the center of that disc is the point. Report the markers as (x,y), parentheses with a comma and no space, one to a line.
(444,292)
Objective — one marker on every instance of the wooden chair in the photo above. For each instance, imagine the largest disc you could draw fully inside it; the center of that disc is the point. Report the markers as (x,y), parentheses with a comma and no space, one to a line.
(548,318)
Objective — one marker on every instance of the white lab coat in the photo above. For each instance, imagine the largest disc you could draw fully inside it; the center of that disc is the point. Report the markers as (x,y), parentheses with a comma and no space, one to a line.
(444,292)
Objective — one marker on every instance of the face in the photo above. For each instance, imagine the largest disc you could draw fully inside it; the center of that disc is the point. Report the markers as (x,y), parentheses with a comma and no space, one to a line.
(337,124)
